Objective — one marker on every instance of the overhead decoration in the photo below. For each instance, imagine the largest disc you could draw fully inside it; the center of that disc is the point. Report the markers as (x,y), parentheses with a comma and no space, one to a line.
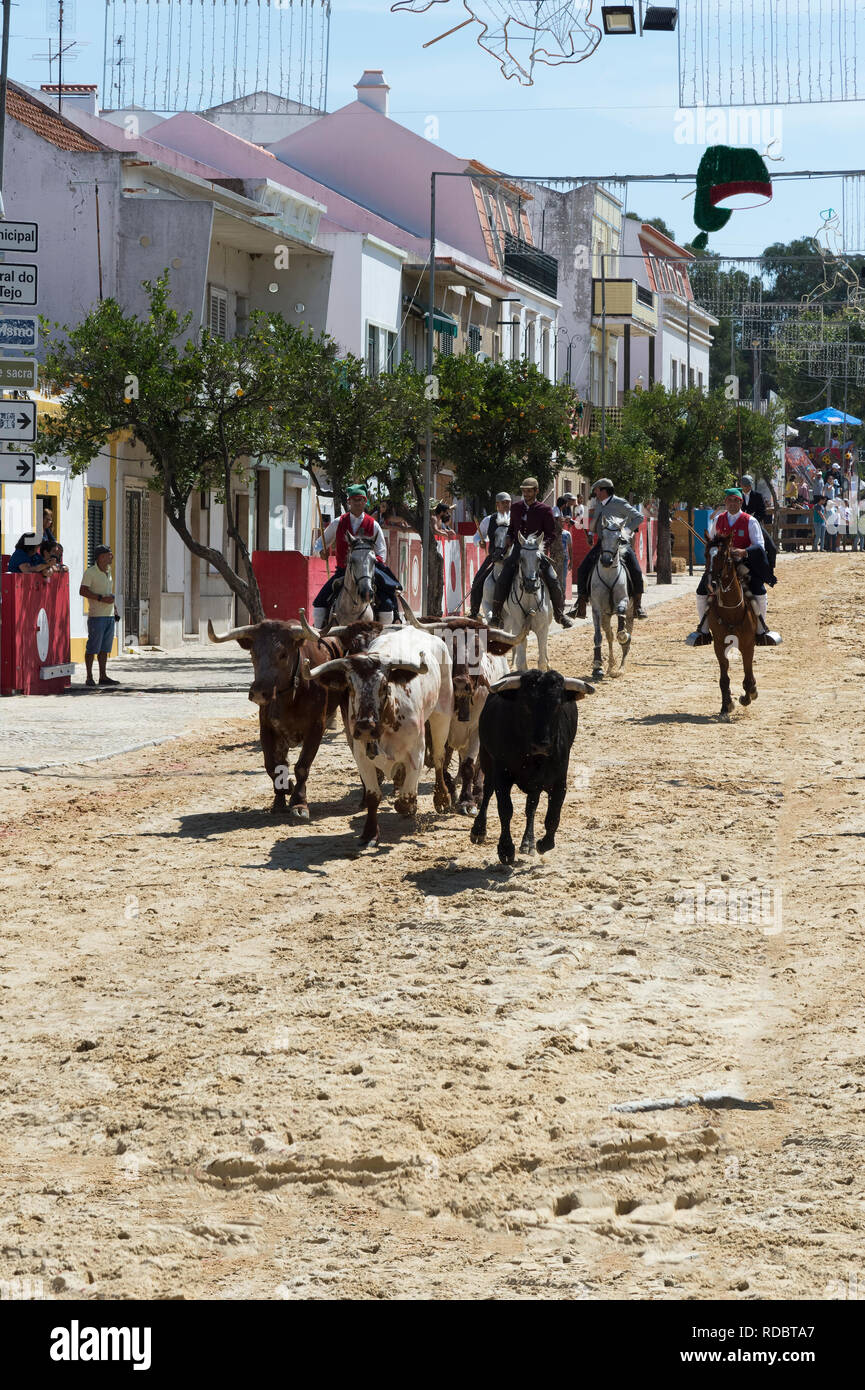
(521,33)
(728,178)
(756,53)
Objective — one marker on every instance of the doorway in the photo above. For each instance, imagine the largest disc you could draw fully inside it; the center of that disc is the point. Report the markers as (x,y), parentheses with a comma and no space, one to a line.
(136,569)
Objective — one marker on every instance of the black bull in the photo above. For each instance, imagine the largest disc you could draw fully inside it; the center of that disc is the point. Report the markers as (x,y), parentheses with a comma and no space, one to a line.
(527,727)
(293,710)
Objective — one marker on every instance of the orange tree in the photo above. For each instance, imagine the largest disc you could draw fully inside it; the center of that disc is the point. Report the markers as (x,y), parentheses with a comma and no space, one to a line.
(498,422)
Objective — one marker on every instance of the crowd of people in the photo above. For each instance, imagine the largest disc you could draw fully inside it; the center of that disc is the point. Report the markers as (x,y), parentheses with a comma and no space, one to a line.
(833,499)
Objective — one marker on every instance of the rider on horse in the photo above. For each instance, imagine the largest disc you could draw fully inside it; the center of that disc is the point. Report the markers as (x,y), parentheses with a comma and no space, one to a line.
(607,504)
(747,546)
(494,530)
(529,517)
(356,522)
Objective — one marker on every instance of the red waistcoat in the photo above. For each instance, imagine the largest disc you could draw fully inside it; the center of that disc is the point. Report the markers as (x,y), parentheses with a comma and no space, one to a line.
(343,531)
(738,528)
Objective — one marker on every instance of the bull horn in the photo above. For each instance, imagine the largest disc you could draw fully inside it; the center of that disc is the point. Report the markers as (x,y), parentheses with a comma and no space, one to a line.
(571,683)
(327,667)
(309,632)
(506,683)
(234,635)
(409,612)
(511,639)
(304,670)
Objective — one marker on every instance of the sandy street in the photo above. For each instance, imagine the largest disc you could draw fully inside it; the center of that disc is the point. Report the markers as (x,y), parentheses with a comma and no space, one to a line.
(239,1060)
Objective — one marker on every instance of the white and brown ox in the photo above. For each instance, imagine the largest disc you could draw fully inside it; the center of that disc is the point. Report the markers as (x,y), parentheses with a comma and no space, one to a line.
(292,710)
(479,657)
(401,683)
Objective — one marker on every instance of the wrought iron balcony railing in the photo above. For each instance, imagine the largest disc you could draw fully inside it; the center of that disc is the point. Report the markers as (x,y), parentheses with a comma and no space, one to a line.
(525,262)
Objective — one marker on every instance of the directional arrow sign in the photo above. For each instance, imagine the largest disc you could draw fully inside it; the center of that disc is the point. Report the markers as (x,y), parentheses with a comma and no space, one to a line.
(17,420)
(19,236)
(17,468)
(17,373)
(19,282)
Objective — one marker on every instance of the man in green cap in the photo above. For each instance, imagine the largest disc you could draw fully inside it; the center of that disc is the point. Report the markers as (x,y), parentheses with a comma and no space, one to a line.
(607,504)
(746,541)
(355,522)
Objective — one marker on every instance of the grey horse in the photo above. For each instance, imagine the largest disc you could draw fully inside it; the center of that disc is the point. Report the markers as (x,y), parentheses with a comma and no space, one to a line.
(527,607)
(609,595)
(356,596)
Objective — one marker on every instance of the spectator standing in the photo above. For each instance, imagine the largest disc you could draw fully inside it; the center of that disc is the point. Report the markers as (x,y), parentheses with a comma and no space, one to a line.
(819,517)
(48,536)
(26,558)
(97,586)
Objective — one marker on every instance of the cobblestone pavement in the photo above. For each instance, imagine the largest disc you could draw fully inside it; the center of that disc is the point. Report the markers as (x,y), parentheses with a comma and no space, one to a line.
(161,696)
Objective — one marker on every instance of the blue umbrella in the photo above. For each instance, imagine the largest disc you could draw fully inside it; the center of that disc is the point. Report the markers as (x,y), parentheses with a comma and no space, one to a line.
(830,416)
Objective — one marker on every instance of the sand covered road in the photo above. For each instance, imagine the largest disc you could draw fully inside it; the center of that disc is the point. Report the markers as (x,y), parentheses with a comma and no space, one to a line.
(239,1061)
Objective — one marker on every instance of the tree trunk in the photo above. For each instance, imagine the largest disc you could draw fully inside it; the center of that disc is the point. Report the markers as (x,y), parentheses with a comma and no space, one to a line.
(175,511)
(664,568)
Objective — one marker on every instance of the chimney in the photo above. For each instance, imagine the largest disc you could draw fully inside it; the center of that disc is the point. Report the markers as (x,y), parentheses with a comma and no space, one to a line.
(83,95)
(372,90)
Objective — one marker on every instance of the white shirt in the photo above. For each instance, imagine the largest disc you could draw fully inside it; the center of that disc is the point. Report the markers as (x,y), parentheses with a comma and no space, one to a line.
(354,524)
(755,531)
(495,519)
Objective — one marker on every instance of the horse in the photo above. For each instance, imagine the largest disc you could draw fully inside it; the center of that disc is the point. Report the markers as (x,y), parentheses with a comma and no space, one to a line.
(527,607)
(354,602)
(498,558)
(731,620)
(609,595)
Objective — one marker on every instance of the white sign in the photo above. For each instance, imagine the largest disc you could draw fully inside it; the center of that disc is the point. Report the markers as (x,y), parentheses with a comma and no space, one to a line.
(17,468)
(18,420)
(19,236)
(19,282)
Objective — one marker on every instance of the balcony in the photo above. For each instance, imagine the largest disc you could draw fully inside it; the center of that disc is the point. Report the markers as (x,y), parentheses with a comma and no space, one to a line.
(531,266)
(626,302)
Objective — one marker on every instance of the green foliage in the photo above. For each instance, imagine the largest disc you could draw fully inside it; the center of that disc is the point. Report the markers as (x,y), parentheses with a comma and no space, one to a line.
(683,429)
(657,222)
(752,434)
(499,422)
(631,462)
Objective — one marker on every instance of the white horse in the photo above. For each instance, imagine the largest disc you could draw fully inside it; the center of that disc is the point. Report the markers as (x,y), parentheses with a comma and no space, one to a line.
(527,607)
(609,595)
(355,598)
(492,579)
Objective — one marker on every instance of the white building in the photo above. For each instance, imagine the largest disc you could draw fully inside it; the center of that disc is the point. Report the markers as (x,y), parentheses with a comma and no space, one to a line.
(680,356)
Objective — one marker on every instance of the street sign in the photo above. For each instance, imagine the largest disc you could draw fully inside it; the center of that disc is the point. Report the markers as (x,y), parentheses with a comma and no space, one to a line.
(17,373)
(19,332)
(19,282)
(17,468)
(19,236)
(17,420)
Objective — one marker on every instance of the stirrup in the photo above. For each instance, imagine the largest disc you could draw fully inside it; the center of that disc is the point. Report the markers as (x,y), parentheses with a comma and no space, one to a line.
(698,638)
(768,639)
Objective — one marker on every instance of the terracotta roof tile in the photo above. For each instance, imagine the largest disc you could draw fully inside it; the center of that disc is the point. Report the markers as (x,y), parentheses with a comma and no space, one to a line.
(47,124)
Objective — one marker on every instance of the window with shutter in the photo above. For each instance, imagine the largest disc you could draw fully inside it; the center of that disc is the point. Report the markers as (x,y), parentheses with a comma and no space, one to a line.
(474,338)
(372,349)
(95,528)
(391,363)
(217,319)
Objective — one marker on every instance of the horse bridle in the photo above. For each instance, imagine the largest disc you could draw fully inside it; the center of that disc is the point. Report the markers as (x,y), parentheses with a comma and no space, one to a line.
(538,588)
(716,587)
(363,545)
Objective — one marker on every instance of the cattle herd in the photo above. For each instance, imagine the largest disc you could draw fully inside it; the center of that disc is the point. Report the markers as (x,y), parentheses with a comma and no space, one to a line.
(418,692)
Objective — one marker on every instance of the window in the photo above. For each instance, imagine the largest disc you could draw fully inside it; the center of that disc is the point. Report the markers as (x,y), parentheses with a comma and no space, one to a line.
(391,358)
(445,344)
(530,343)
(217,313)
(95,528)
(515,340)
(690,376)
(241,315)
(497,347)
(700,380)
(371,349)
(674,370)
(474,338)
(545,352)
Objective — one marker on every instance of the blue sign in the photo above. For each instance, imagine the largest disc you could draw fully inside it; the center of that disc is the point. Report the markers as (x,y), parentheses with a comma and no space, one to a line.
(19,332)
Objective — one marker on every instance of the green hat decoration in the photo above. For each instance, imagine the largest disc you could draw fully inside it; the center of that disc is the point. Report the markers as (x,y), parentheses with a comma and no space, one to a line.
(728,178)
(356,490)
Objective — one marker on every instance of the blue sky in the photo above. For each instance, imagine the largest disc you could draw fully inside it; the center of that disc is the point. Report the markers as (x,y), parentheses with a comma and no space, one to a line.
(614,113)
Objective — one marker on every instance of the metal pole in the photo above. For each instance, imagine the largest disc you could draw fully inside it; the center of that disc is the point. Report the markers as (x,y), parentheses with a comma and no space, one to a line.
(98,241)
(689,342)
(603,355)
(427,468)
(4,80)
(60,56)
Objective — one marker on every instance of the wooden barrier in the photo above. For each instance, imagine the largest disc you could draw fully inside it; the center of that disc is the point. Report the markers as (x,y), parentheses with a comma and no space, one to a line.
(34,634)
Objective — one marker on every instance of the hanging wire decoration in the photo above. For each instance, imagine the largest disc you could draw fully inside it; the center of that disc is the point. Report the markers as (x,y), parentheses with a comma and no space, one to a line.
(770,52)
(521,33)
(169,55)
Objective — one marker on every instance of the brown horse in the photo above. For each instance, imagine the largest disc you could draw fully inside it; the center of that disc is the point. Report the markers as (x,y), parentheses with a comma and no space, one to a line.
(732,621)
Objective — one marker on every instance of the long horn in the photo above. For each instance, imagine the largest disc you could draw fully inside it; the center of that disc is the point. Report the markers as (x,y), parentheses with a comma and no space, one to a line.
(506,683)
(571,683)
(309,632)
(409,612)
(509,639)
(326,667)
(233,635)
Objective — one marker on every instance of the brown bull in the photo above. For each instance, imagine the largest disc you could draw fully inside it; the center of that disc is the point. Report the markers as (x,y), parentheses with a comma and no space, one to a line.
(293,710)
